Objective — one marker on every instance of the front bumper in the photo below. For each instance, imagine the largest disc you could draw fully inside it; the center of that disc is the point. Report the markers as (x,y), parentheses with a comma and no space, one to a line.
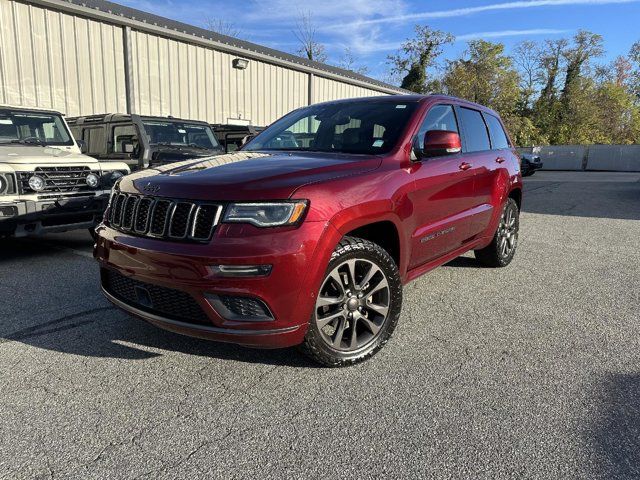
(22,218)
(297,256)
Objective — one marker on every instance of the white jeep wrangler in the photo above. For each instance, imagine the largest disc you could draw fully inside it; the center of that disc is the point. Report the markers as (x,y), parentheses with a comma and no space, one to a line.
(46,184)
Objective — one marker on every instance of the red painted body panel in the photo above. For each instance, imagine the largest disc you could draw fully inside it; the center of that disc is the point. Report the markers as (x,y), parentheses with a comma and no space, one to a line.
(419,199)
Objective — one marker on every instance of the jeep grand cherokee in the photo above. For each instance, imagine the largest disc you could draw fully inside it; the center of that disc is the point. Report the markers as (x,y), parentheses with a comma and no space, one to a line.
(307,235)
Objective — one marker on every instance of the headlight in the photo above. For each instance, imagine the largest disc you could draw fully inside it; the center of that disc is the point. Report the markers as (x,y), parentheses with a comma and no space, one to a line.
(273,214)
(93,180)
(37,183)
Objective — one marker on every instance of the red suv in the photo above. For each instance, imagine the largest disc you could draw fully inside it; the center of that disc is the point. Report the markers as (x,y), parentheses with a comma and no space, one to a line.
(307,235)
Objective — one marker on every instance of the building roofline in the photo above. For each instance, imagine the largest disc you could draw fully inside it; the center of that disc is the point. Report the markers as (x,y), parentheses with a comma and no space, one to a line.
(114,13)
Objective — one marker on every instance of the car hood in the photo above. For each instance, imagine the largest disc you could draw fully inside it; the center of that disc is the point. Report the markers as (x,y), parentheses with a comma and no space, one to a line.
(21,154)
(245,175)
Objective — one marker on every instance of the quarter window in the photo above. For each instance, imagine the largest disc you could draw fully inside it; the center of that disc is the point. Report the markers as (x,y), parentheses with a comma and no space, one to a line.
(94,139)
(440,117)
(475,130)
(498,137)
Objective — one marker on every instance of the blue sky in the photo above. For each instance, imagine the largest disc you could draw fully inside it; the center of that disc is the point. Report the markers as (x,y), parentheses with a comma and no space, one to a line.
(372,29)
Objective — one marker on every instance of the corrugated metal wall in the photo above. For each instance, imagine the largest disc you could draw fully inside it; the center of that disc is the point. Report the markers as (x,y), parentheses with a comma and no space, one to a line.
(52,60)
(56,60)
(325,89)
(190,81)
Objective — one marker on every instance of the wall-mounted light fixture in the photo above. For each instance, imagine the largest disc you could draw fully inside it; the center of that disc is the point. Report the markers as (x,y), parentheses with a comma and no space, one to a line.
(240,63)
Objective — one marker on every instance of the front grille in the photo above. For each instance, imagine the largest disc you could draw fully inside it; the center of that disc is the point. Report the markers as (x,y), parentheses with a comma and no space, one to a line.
(58,179)
(163,218)
(162,301)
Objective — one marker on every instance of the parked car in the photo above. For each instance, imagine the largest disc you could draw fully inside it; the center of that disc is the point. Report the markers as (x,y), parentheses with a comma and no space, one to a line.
(144,141)
(46,184)
(311,243)
(233,137)
(530,162)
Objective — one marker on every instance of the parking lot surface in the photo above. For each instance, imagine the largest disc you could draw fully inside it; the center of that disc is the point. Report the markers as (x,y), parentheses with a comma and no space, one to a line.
(531,371)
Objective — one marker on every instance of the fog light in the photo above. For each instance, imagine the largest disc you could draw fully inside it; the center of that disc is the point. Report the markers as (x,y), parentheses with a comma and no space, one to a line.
(242,309)
(240,270)
(36,183)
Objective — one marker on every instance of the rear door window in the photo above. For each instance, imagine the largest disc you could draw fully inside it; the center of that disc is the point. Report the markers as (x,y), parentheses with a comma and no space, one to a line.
(499,139)
(475,130)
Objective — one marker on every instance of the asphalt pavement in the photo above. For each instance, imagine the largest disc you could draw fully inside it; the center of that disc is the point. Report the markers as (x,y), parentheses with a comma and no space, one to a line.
(531,371)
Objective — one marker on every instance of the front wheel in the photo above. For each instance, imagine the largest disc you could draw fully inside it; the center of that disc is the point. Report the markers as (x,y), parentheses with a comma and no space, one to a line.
(502,248)
(357,307)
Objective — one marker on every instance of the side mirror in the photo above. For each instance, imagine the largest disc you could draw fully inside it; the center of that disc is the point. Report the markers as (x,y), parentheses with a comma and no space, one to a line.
(438,143)
(128,147)
(82,145)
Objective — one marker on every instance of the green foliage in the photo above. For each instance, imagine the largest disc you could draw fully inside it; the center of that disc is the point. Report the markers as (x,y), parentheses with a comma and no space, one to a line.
(549,93)
(416,56)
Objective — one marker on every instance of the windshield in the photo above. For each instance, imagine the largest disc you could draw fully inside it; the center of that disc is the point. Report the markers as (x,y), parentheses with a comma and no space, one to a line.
(367,127)
(180,134)
(38,128)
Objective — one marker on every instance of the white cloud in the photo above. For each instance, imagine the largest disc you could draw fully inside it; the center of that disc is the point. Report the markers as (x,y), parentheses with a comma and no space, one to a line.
(509,33)
(458,12)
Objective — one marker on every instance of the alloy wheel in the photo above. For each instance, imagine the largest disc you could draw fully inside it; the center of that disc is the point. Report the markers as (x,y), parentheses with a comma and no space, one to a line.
(507,232)
(353,304)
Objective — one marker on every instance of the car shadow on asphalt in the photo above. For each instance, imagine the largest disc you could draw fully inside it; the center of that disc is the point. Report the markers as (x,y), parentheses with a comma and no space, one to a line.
(615,434)
(106,332)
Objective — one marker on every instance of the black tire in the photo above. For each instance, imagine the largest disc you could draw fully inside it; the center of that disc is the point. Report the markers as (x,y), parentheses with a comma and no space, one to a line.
(502,248)
(528,173)
(362,321)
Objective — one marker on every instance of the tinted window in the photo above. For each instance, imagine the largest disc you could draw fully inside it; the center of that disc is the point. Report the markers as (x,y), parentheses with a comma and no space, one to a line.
(177,134)
(475,130)
(370,127)
(440,117)
(498,137)
(122,135)
(95,141)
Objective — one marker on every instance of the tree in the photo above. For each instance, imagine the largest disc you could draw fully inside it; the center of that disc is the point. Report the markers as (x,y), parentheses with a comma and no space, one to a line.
(306,33)
(222,26)
(526,56)
(416,56)
(485,75)
(634,80)
(348,62)
(586,46)
(550,64)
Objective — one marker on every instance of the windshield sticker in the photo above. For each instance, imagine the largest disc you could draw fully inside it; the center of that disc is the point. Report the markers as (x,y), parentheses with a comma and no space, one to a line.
(401,106)
(378,143)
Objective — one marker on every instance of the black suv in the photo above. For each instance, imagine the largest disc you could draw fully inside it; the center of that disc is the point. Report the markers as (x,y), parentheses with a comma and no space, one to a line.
(143,141)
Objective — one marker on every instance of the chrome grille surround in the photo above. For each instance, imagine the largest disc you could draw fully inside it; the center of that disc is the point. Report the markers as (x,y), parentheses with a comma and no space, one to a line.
(164,218)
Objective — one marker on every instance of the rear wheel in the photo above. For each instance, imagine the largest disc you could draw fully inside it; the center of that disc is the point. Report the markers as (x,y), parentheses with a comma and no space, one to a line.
(357,307)
(502,248)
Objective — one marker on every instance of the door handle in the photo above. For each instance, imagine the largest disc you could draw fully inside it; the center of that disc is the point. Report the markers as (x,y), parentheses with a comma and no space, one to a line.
(465,166)
(500,159)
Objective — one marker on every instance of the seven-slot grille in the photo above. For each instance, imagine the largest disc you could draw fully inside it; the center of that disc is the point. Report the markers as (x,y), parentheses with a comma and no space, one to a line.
(58,179)
(163,218)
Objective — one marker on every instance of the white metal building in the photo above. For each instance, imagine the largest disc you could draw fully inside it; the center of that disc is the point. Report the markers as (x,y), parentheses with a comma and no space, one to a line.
(91,56)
